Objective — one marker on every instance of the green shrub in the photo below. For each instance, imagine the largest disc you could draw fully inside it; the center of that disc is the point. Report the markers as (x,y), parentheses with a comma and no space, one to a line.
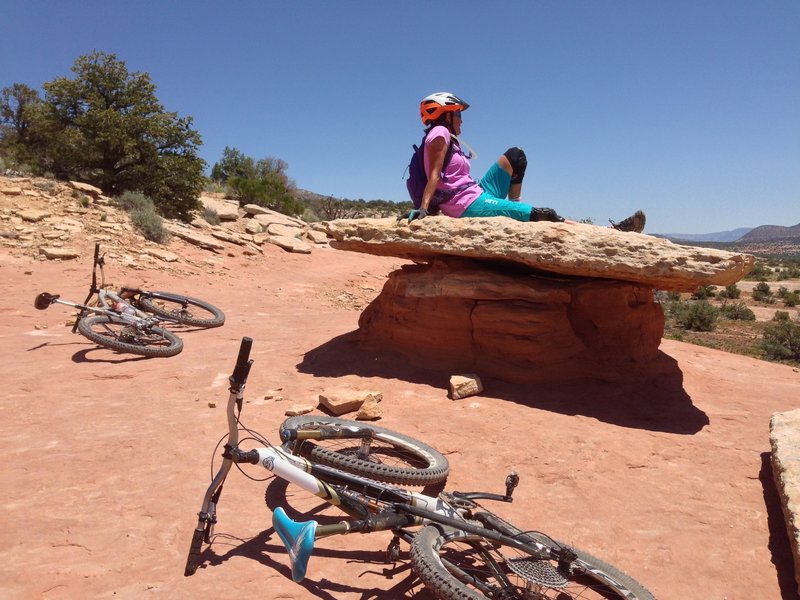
(789,272)
(48,186)
(704,292)
(780,315)
(782,340)
(146,220)
(210,216)
(762,293)
(791,298)
(216,187)
(760,272)
(143,215)
(738,312)
(309,215)
(128,201)
(731,292)
(697,316)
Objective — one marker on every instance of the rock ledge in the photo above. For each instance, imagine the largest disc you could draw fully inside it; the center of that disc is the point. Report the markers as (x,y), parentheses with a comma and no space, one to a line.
(566,249)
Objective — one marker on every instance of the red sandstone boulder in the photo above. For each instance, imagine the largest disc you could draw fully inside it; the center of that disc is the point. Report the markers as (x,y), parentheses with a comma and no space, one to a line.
(457,316)
(526,302)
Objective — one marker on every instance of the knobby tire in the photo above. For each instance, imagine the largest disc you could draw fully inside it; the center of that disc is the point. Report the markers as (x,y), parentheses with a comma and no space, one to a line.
(198,313)
(394,458)
(116,333)
(456,565)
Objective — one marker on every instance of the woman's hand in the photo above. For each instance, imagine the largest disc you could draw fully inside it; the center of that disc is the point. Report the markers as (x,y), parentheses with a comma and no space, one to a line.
(417,213)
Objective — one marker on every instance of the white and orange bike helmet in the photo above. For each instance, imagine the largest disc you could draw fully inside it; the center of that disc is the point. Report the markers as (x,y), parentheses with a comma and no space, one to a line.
(434,106)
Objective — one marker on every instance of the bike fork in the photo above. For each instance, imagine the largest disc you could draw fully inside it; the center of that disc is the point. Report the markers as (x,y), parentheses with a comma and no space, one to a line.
(207,518)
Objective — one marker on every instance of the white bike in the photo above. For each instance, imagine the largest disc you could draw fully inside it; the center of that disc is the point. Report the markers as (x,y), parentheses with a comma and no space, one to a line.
(457,548)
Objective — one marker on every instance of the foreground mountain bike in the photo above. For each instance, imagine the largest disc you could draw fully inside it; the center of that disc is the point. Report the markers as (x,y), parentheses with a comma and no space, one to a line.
(459,549)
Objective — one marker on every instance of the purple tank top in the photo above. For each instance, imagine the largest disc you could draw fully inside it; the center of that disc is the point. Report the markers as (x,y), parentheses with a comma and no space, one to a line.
(455,176)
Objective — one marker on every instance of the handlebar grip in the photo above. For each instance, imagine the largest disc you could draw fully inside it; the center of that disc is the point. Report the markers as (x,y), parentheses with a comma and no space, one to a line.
(194,560)
(242,368)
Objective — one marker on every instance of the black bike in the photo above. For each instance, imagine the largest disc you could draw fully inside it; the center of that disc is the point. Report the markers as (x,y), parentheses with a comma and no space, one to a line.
(131,320)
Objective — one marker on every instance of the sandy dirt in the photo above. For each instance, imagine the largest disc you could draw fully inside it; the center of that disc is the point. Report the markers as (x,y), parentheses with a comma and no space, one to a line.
(107,456)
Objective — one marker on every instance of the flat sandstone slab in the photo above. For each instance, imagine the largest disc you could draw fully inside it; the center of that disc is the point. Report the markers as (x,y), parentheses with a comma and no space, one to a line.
(567,249)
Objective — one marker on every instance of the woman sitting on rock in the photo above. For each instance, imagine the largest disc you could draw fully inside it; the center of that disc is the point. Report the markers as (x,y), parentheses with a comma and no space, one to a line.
(450,187)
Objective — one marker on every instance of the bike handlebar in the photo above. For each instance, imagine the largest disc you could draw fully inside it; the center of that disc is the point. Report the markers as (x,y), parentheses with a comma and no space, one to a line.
(243,364)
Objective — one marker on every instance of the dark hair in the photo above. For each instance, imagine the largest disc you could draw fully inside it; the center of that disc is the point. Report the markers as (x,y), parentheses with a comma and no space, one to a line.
(443,121)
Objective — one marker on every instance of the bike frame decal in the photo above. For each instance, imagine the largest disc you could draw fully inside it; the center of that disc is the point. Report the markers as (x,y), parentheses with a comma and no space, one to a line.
(280,465)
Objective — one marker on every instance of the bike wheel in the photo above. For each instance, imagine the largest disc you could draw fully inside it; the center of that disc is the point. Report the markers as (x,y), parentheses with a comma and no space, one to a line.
(184,309)
(392,457)
(456,565)
(117,334)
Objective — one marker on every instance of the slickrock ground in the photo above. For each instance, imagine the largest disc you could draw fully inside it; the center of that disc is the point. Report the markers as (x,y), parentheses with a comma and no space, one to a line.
(107,455)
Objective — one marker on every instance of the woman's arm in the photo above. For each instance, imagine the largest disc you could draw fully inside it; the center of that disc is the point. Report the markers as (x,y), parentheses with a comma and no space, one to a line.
(434,161)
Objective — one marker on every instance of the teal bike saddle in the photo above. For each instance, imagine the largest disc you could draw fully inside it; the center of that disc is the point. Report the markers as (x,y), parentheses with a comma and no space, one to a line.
(298,539)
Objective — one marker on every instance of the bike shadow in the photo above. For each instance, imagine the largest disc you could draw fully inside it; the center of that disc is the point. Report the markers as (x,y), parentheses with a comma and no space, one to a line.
(82,356)
(266,545)
(651,398)
(53,345)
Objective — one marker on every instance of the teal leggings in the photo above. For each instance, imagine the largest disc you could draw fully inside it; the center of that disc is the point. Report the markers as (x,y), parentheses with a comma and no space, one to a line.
(492,202)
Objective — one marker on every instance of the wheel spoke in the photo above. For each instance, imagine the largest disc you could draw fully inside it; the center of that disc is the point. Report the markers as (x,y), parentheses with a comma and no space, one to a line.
(122,335)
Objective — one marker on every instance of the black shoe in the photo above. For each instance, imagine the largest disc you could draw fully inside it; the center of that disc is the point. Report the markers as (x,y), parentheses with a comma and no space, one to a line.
(633,223)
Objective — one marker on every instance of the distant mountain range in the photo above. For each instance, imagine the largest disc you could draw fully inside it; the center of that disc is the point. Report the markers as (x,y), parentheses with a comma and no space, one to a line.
(719,236)
(767,233)
(746,235)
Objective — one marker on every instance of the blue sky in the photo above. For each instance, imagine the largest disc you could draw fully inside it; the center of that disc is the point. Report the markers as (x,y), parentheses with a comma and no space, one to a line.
(689,110)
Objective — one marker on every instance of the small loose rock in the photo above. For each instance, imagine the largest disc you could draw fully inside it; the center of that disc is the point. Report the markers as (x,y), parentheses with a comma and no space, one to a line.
(462,386)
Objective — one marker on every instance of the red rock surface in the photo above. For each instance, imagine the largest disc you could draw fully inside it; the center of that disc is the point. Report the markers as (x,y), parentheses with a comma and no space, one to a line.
(466,316)
(107,455)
